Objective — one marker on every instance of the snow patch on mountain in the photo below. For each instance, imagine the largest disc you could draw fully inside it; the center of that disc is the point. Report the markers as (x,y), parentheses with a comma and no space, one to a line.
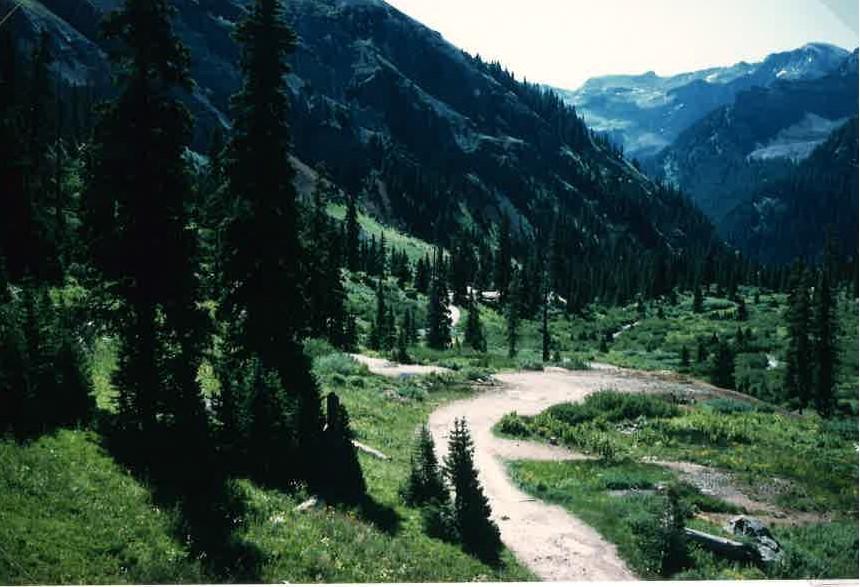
(797,141)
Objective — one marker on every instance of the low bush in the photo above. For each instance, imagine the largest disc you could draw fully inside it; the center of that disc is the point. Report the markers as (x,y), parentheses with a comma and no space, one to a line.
(410,390)
(530,365)
(723,405)
(611,406)
(318,347)
(339,363)
(440,521)
(818,551)
(513,424)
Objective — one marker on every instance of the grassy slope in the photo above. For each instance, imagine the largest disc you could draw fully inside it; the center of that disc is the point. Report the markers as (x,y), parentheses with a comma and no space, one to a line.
(813,551)
(817,456)
(325,545)
(69,514)
(414,248)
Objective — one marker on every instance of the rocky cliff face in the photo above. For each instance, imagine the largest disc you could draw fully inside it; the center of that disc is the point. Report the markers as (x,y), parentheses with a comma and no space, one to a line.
(790,217)
(646,113)
(426,134)
(757,138)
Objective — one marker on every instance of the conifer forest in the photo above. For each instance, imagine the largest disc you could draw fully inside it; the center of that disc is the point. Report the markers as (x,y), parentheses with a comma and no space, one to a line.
(298,291)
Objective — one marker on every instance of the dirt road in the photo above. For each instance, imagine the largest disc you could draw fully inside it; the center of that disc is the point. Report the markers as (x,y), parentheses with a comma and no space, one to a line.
(389,368)
(551,542)
(555,545)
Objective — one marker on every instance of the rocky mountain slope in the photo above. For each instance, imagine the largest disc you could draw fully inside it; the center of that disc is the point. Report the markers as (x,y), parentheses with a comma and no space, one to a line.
(426,134)
(791,217)
(646,113)
(755,140)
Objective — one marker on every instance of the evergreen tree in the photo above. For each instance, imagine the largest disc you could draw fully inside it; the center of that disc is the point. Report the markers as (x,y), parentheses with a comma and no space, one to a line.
(825,345)
(139,230)
(379,337)
(343,480)
(546,336)
(351,232)
(350,333)
(410,326)
(701,351)
(742,310)
(479,534)
(502,276)
(402,354)
(798,357)
(438,331)
(698,299)
(723,369)
(422,276)
(324,288)
(424,484)
(512,315)
(685,357)
(463,265)
(474,335)
(261,256)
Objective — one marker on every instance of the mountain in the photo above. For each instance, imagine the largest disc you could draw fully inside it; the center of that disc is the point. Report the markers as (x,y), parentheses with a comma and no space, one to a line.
(790,217)
(645,113)
(426,134)
(740,147)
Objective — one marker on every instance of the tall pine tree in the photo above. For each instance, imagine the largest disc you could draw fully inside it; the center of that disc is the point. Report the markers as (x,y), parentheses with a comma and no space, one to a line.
(479,534)
(474,334)
(138,227)
(825,345)
(261,255)
(438,332)
(797,384)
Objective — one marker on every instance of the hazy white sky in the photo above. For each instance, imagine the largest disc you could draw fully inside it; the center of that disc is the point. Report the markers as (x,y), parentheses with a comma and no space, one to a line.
(564,42)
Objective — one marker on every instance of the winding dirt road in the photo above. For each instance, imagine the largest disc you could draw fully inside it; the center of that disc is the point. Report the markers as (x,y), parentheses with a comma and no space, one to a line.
(554,544)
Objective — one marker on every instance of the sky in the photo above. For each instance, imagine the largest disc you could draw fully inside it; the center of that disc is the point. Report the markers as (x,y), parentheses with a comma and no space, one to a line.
(564,42)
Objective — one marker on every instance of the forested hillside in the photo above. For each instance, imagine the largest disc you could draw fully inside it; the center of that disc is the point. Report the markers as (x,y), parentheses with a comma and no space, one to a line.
(789,218)
(263,264)
(646,113)
(424,135)
(754,140)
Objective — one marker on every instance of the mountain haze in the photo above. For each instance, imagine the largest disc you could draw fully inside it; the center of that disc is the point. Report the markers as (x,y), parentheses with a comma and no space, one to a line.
(645,113)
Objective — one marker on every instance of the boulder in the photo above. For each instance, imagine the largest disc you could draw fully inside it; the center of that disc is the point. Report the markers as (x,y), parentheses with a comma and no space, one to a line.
(768,548)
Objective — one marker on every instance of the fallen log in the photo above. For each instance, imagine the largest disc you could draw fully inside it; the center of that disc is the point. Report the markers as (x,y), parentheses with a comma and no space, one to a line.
(307,504)
(370,450)
(732,549)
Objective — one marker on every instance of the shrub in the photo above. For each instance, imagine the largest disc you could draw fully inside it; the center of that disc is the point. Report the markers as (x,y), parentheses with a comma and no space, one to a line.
(412,391)
(318,347)
(440,521)
(612,406)
(339,363)
(723,405)
(424,484)
(576,363)
(514,425)
(531,365)
(660,536)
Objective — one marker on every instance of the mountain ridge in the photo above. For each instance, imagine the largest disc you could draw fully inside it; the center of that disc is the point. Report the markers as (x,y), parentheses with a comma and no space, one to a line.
(428,136)
(645,113)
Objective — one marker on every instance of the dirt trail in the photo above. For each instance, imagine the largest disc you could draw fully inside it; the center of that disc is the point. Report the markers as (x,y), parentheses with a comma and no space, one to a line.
(555,545)
(389,368)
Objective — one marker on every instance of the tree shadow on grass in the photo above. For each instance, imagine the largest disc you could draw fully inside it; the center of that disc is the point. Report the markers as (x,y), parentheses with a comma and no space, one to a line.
(192,482)
(382,517)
